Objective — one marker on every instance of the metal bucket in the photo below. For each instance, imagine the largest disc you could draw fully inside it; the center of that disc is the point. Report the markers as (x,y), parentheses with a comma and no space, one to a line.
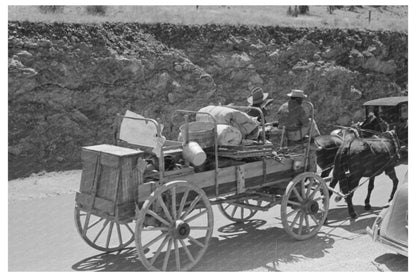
(201,132)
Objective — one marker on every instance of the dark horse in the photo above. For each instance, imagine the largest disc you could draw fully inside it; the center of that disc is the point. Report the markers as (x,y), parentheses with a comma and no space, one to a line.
(367,157)
(328,145)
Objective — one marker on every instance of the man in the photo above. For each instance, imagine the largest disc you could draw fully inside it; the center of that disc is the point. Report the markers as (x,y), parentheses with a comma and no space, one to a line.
(293,117)
(258,99)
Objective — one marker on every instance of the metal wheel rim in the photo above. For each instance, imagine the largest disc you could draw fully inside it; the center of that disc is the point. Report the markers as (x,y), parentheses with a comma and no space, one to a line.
(102,234)
(191,249)
(299,199)
(236,213)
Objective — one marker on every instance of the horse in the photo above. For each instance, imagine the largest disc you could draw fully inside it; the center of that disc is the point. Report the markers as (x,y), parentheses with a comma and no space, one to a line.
(328,145)
(367,157)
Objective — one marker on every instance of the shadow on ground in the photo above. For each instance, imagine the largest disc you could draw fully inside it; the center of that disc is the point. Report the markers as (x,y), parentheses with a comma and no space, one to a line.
(393,262)
(238,247)
(339,218)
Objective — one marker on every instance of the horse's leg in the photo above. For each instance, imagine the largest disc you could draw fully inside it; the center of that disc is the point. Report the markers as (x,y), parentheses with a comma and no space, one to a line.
(347,184)
(392,174)
(367,206)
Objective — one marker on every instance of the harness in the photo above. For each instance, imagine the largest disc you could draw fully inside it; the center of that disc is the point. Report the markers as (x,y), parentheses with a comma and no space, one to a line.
(393,157)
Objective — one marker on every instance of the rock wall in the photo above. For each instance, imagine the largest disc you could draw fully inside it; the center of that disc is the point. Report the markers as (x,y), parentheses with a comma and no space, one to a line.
(67,82)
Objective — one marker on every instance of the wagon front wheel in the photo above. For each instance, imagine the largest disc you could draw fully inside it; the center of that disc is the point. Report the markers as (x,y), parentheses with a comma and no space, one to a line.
(103,234)
(305,206)
(174,227)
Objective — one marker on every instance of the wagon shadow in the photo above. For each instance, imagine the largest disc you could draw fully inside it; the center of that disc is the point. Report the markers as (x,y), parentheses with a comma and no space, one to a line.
(339,218)
(237,247)
(256,248)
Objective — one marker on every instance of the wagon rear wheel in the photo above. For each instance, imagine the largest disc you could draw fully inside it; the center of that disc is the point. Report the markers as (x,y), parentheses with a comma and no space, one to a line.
(305,206)
(236,213)
(174,227)
(101,233)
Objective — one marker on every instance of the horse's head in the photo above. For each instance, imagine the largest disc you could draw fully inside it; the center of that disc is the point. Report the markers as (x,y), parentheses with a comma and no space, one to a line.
(345,132)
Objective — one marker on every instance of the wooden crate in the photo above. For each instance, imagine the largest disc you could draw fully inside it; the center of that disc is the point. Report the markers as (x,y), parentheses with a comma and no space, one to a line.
(109,180)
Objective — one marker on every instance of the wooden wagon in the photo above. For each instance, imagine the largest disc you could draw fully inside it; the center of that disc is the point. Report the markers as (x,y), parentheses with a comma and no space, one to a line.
(172,209)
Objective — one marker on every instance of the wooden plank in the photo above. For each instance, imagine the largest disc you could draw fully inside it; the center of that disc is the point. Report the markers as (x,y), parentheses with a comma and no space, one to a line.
(108,182)
(227,175)
(128,187)
(113,150)
(84,201)
(240,178)
(110,160)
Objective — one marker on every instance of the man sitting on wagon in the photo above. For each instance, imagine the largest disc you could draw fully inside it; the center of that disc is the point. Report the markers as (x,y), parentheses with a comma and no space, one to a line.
(258,99)
(294,118)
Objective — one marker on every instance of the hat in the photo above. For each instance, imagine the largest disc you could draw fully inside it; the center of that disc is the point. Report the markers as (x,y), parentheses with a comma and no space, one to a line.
(297,93)
(258,97)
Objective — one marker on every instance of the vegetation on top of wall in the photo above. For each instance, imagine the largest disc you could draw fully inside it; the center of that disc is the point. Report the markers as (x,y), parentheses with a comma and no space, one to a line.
(351,17)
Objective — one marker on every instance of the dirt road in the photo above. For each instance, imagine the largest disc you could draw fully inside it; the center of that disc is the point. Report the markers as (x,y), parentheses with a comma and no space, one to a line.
(42,236)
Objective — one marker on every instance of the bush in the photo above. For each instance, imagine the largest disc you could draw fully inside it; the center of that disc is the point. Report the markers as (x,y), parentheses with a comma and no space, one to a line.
(303,9)
(51,9)
(96,10)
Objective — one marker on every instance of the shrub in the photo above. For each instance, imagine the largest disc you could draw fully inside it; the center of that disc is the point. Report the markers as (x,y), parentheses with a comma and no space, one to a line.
(96,10)
(51,9)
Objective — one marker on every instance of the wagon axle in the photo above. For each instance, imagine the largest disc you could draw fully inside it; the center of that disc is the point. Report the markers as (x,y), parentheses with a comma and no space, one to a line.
(180,229)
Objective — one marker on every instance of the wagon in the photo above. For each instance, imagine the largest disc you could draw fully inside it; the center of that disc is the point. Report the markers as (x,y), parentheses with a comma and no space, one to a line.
(133,192)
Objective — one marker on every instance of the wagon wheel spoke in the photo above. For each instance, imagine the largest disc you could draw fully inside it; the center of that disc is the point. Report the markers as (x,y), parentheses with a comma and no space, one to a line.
(173,203)
(295,220)
(307,222)
(120,237)
(110,231)
(188,253)
(159,249)
(297,194)
(196,216)
(177,257)
(300,224)
(94,224)
(155,215)
(191,207)
(297,204)
(101,231)
(292,212)
(154,240)
(315,191)
(195,241)
(302,188)
(183,201)
(166,259)
(164,208)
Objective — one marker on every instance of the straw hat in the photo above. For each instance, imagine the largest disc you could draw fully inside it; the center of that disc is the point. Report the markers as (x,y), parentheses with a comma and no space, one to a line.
(258,97)
(297,93)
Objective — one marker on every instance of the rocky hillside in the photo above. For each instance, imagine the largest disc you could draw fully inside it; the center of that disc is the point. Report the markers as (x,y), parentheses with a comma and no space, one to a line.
(67,82)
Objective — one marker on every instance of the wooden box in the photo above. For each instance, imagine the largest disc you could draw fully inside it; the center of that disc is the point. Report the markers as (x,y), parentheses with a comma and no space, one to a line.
(109,180)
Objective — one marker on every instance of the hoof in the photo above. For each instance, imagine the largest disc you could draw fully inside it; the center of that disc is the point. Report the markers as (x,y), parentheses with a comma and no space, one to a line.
(353,216)
(367,207)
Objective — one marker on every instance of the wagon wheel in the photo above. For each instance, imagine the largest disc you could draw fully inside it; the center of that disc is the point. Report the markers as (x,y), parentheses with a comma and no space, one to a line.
(237,213)
(169,224)
(305,206)
(101,233)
